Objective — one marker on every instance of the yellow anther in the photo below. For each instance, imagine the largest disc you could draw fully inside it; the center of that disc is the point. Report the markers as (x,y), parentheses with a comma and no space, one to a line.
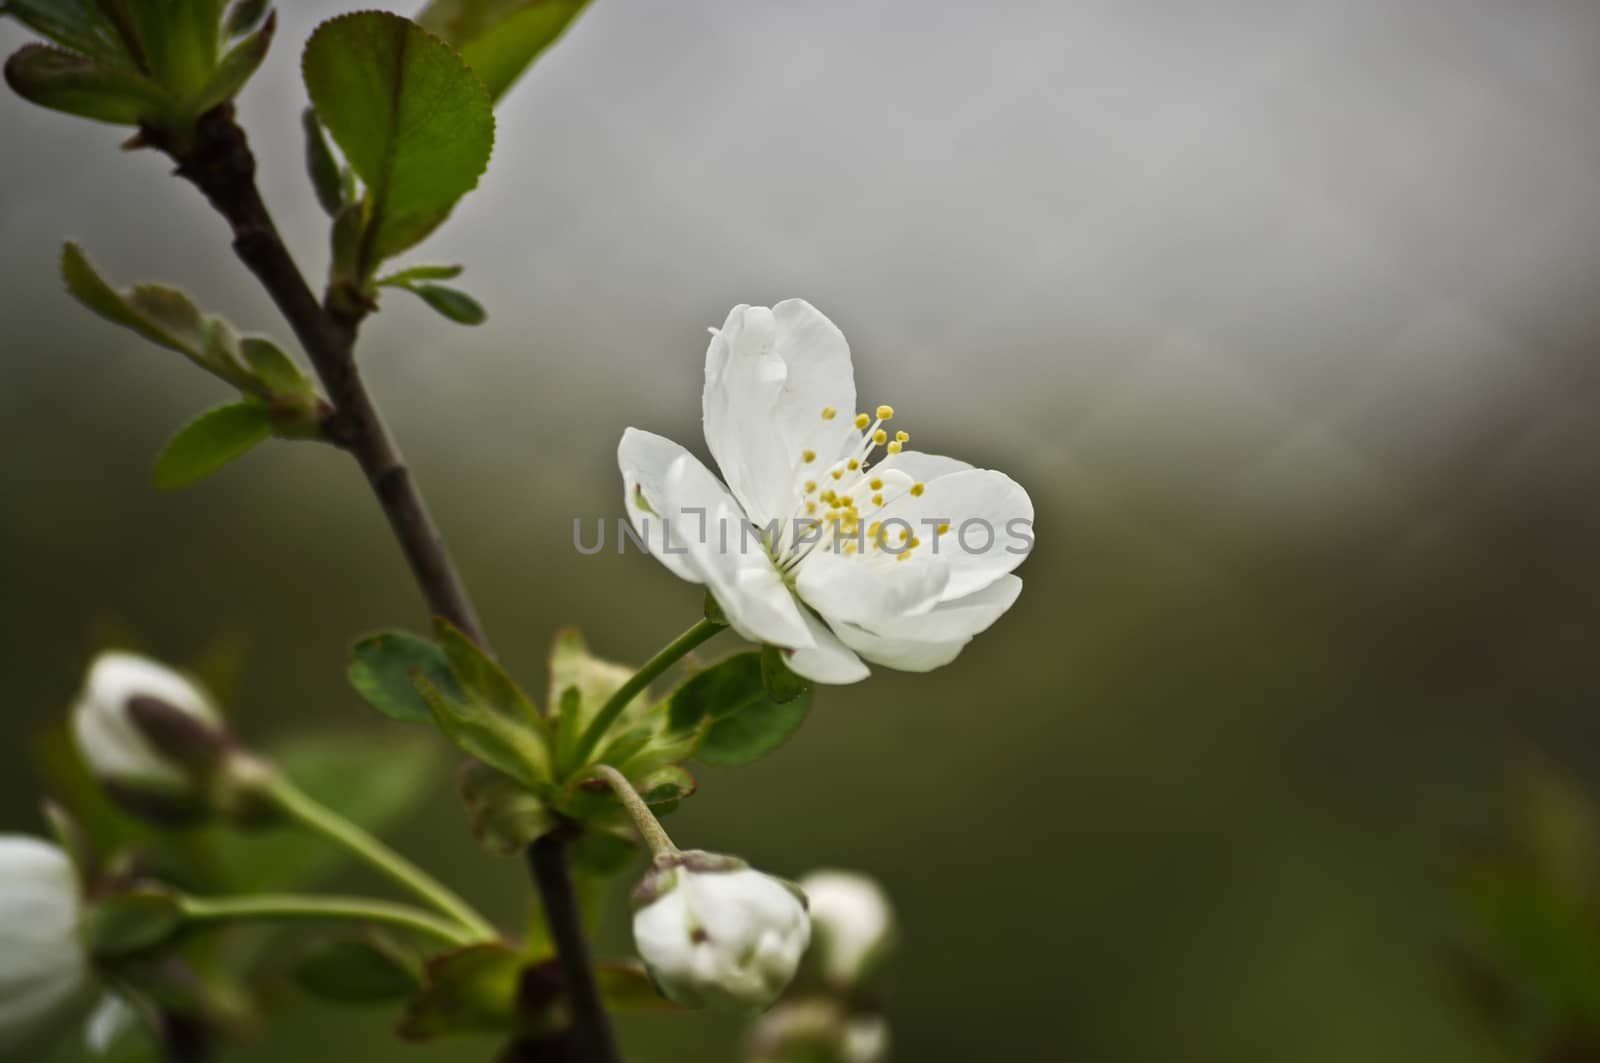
(829,413)
(849,548)
(862,420)
(914,543)
(902,436)
(808,455)
(895,447)
(811,507)
(885,412)
(853,465)
(877,500)
(944,527)
(876,483)
(880,436)
(845,501)
(837,473)
(811,485)
(917,489)
(902,555)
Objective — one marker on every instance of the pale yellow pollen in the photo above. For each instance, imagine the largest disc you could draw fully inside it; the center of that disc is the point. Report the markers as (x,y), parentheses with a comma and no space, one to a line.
(917,489)
(880,436)
(902,436)
(845,501)
(877,500)
(876,483)
(895,447)
(811,507)
(808,455)
(853,464)
(811,485)
(944,527)
(837,474)
(885,412)
(862,420)
(829,413)
(902,555)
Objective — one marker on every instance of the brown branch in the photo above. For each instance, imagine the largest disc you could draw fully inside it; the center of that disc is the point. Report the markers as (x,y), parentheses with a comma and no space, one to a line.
(220,164)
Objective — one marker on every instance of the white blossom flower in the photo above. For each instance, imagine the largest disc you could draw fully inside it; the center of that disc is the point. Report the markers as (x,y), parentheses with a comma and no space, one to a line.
(43,966)
(852,922)
(831,539)
(716,933)
(109,734)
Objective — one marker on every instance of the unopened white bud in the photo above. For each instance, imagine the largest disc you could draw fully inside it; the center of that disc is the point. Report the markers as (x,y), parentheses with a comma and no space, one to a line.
(143,726)
(716,933)
(853,923)
(43,966)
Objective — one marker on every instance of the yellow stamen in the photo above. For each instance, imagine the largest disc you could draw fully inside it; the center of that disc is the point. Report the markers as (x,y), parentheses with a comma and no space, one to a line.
(829,413)
(862,420)
(808,455)
(853,464)
(877,500)
(876,483)
(917,489)
(880,436)
(837,473)
(944,527)
(902,437)
(894,448)
(885,412)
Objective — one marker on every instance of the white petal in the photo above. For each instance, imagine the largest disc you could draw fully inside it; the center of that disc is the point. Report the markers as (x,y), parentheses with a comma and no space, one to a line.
(991,525)
(921,466)
(923,643)
(644,458)
(871,587)
(829,661)
(769,375)
(730,558)
(42,965)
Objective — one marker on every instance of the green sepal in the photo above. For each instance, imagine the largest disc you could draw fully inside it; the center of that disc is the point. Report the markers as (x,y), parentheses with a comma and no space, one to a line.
(781,683)
(381,669)
(372,969)
(503,742)
(504,815)
(131,922)
(210,441)
(279,376)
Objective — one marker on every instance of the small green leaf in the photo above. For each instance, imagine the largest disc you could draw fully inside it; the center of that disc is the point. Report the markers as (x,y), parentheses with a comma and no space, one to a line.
(381,669)
(244,16)
(321,166)
(782,684)
(402,278)
(90,289)
(472,990)
(481,676)
(452,303)
(727,687)
(234,69)
(503,743)
(178,42)
(210,441)
(413,120)
(79,85)
(132,922)
(505,815)
(76,26)
(369,970)
(500,38)
(275,369)
(754,731)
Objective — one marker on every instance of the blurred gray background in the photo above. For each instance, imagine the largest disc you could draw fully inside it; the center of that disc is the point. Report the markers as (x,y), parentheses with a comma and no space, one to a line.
(1285,314)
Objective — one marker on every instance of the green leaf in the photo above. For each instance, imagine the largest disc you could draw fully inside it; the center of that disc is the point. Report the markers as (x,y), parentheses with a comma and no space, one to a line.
(381,669)
(178,41)
(89,88)
(402,278)
(131,922)
(456,305)
(740,720)
(413,120)
(210,441)
(481,676)
(782,684)
(754,731)
(505,815)
(472,990)
(244,16)
(500,38)
(367,970)
(77,25)
(275,369)
(321,166)
(504,743)
(234,69)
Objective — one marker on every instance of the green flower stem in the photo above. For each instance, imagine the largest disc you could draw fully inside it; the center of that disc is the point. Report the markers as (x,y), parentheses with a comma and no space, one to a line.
(295,803)
(279,906)
(650,829)
(670,655)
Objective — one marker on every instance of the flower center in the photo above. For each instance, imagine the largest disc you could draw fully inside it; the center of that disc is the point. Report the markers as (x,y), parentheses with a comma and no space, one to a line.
(837,503)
